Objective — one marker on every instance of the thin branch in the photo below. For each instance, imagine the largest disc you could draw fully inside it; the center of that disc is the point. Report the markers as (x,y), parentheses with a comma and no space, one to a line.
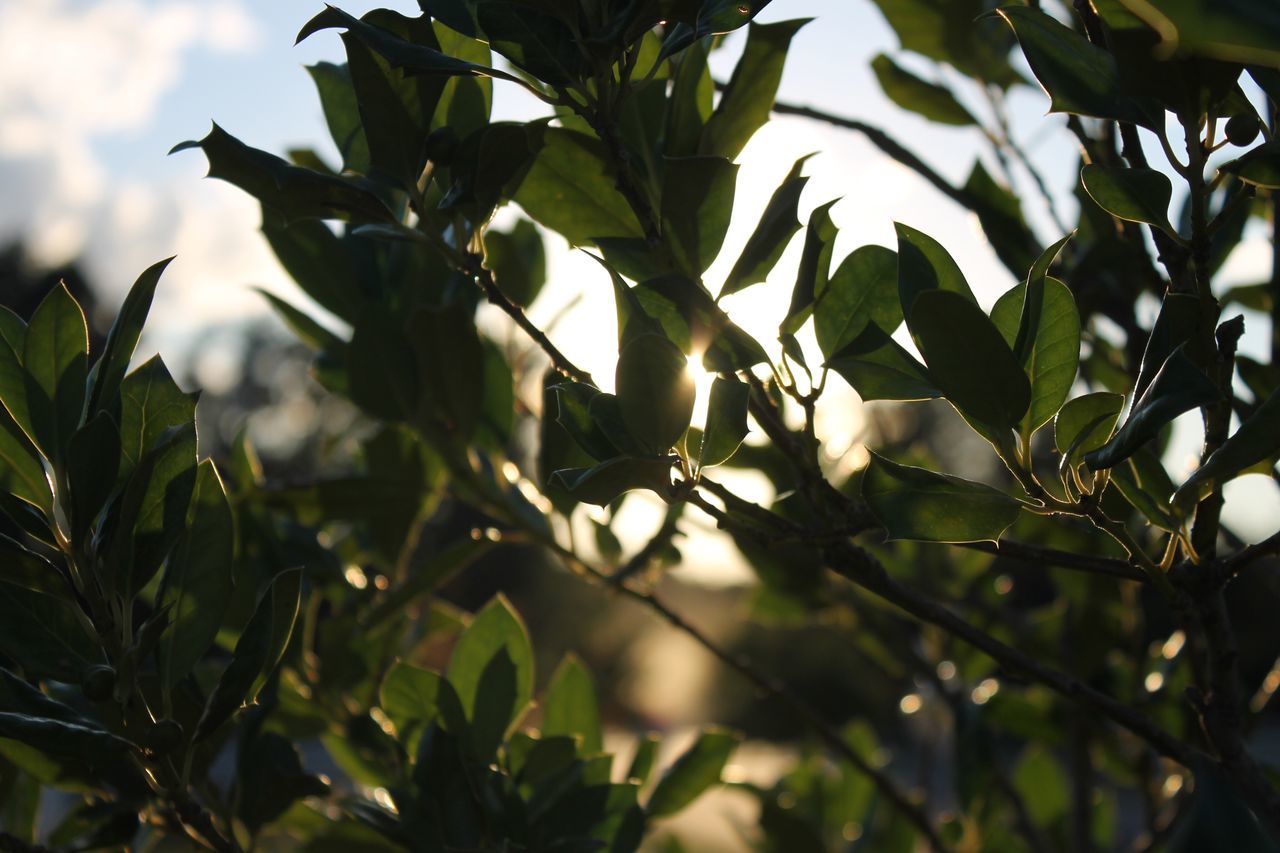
(1062,559)
(1268,547)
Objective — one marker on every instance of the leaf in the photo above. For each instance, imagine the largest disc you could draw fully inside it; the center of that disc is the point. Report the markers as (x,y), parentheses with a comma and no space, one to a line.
(777,225)
(317,260)
(44,635)
(534,41)
(197,582)
(999,213)
(689,104)
(258,651)
(93,746)
(745,104)
(912,503)
(946,32)
(1135,195)
(602,484)
(570,189)
(687,314)
(696,770)
(113,364)
(1078,77)
(19,697)
(1145,484)
(655,391)
(726,421)
(304,328)
(863,289)
(814,270)
(1228,31)
(381,366)
(1177,388)
(909,92)
(292,191)
(1177,323)
(923,264)
(697,200)
(1085,423)
(1041,780)
(55,355)
(496,706)
(878,368)
(1054,354)
(414,697)
(968,360)
(22,474)
(569,706)
(272,779)
(26,568)
(342,114)
(93,460)
(518,261)
(573,412)
(1259,167)
(496,628)
(151,403)
(450,367)
(166,481)
(1257,439)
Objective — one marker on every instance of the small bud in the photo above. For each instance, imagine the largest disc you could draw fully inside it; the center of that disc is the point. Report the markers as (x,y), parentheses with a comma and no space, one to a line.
(442,144)
(1242,129)
(98,682)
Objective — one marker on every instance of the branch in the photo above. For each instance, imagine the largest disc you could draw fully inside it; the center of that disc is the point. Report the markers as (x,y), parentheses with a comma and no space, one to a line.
(1268,547)
(1062,559)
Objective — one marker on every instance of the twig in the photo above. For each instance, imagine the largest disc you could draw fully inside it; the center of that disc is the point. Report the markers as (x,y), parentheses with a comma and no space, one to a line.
(1062,559)
(1236,563)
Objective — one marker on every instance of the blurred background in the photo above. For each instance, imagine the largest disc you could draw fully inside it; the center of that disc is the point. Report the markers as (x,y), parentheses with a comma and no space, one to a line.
(93,93)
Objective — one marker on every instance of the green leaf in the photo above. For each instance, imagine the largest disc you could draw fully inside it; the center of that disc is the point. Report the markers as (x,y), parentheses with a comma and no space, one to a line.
(534,41)
(342,114)
(518,261)
(113,364)
(569,706)
(968,360)
(381,366)
(726,421)
(1042,782)
(272,779)
(696,770)
(19,697)
(697,200)
(655,391)
(1260,167)
(44,635)
(1177,388)
(414,697)
(1078,77)
(814,270)
(1054,349)
(1085,423)
(1177,323)
(570,189)
(22,474)
(909,92)
(1237,31)
(923,264)
(1145,484)
(496,705)
(317,260)
(1135,195)
(55,355)
(167,481)
(863,289)
(92,746)
(643,760)
(912,503)
(258,651)
(292,191)
(450,367)
(93,460)
(745,104)
(573,412)
(944,30)
(999,213)
(687,314)
(690,103)
(879,368)
(150,404)
(26,568)
(1257,439)
(497,627)
(13,379)
(303,326)
(197,582)
(602,484)
(777,225)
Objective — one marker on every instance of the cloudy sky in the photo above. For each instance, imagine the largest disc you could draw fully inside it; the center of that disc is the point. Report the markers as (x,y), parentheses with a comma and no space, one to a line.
(93,93)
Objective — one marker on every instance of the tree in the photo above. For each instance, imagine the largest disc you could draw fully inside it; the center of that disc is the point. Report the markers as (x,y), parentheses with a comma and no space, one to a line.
(1088,628)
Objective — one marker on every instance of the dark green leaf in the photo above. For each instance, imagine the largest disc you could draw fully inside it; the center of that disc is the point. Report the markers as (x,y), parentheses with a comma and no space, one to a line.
(303,326)
(198,579)
(65,740)
(45,635)
(170,477)
(693,772)
(381,366)
(1230,30)
(569,706)
(655,391)
(879,368)
(259,649)
(1145,484)
(726,421)
(450,367)
(1177,323)
(778,224)
(748,98)
(1135,195)
(26,568)
(342,114)
(968,360)
(1085,423)
(272,779)
(151,404)
(294,192)
(55,355)
(1257,439)
(573,412)
(923,265)
(945,30)
(863,289)
(19,697)
(1177,388)
(1054,350)
(697,200)
(814,270)
(602,484)
(570,189)
(93,459)
(1260,167)
(22,473)
(690,103)
(908,91)
(536,42)
(317,260)
(1000,213)
(912,503)
(518,261)
(495,706)
(495,628)
(1079,77)
(113,364)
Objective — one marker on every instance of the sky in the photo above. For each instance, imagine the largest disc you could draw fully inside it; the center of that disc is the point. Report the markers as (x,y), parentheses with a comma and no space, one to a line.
(93,93)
